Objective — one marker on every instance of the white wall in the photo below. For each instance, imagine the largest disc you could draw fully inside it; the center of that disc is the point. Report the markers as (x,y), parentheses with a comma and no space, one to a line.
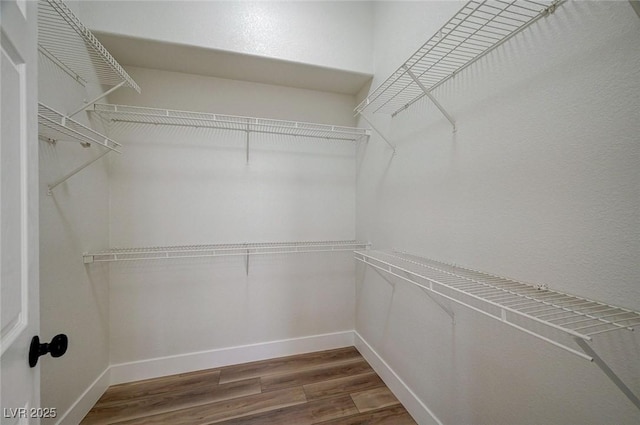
(73,220)
(329,34)
(173,187)
(539,183)
(181,186)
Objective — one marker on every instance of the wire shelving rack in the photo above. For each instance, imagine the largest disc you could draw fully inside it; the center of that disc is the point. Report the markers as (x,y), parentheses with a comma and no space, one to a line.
(549,315)
(221,250)
(479,27)
(55,126)
(142,115)
(64,39)
(513,303)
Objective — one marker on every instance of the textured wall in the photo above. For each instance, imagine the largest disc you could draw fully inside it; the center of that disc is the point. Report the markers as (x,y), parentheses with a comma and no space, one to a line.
(73,299)
(182,186)
(539,183)
(328,34)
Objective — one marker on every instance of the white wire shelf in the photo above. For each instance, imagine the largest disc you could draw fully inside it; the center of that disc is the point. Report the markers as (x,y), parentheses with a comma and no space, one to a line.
(479,27)
(54,126)
(141,115)
(529,308)
(67,42)
(220,250)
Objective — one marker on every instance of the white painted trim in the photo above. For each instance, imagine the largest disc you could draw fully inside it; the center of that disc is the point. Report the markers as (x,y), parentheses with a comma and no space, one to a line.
(86,401)
(163,366)
(420,412)
(170,365)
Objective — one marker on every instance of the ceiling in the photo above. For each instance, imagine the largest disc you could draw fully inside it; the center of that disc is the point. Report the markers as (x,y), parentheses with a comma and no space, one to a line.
(154,54)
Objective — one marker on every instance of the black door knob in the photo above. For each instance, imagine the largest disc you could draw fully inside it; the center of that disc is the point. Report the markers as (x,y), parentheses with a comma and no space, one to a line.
(57,347)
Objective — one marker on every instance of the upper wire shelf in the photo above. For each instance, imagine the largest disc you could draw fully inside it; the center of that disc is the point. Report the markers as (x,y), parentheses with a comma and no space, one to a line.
(141,115)
(529,308)
(479,27)
(221,250)
(67,42)
(54,126)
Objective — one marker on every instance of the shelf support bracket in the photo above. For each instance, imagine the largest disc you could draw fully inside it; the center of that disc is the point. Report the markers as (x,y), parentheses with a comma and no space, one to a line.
(636,6)
(92,101)
(248,146)
(430,96)
(392,284)
(364,117)
(75,171)
(607,371)
(246,262)
(428,293)
(443,307)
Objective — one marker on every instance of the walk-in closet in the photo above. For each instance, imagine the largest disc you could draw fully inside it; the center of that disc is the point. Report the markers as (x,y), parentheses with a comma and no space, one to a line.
(320,212)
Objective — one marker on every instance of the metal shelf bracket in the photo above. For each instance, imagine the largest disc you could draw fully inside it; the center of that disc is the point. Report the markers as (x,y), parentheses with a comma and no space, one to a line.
(90,103)
(443,307)
(389,270)
(430,96)
(636,6)
(74,172)
(54,126)
(248,149)
(380,133)
(608,371)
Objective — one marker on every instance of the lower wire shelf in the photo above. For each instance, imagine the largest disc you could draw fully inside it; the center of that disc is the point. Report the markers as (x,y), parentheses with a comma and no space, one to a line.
(54,126)
(219,250)
(549,315)
(169,117)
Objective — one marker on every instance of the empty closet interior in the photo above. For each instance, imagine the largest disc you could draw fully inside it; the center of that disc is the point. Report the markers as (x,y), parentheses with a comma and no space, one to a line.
(449,186)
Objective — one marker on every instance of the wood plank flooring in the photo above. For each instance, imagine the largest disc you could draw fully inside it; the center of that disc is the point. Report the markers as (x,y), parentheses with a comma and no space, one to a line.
(334,387)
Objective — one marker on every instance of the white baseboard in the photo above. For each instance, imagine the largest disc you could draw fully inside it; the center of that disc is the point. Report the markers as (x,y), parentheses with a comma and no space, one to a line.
(420,412)
(85,402)
(170,365)
(163,366)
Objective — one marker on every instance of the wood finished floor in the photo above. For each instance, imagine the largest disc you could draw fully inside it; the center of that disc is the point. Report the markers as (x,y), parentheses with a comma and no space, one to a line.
(334,387)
